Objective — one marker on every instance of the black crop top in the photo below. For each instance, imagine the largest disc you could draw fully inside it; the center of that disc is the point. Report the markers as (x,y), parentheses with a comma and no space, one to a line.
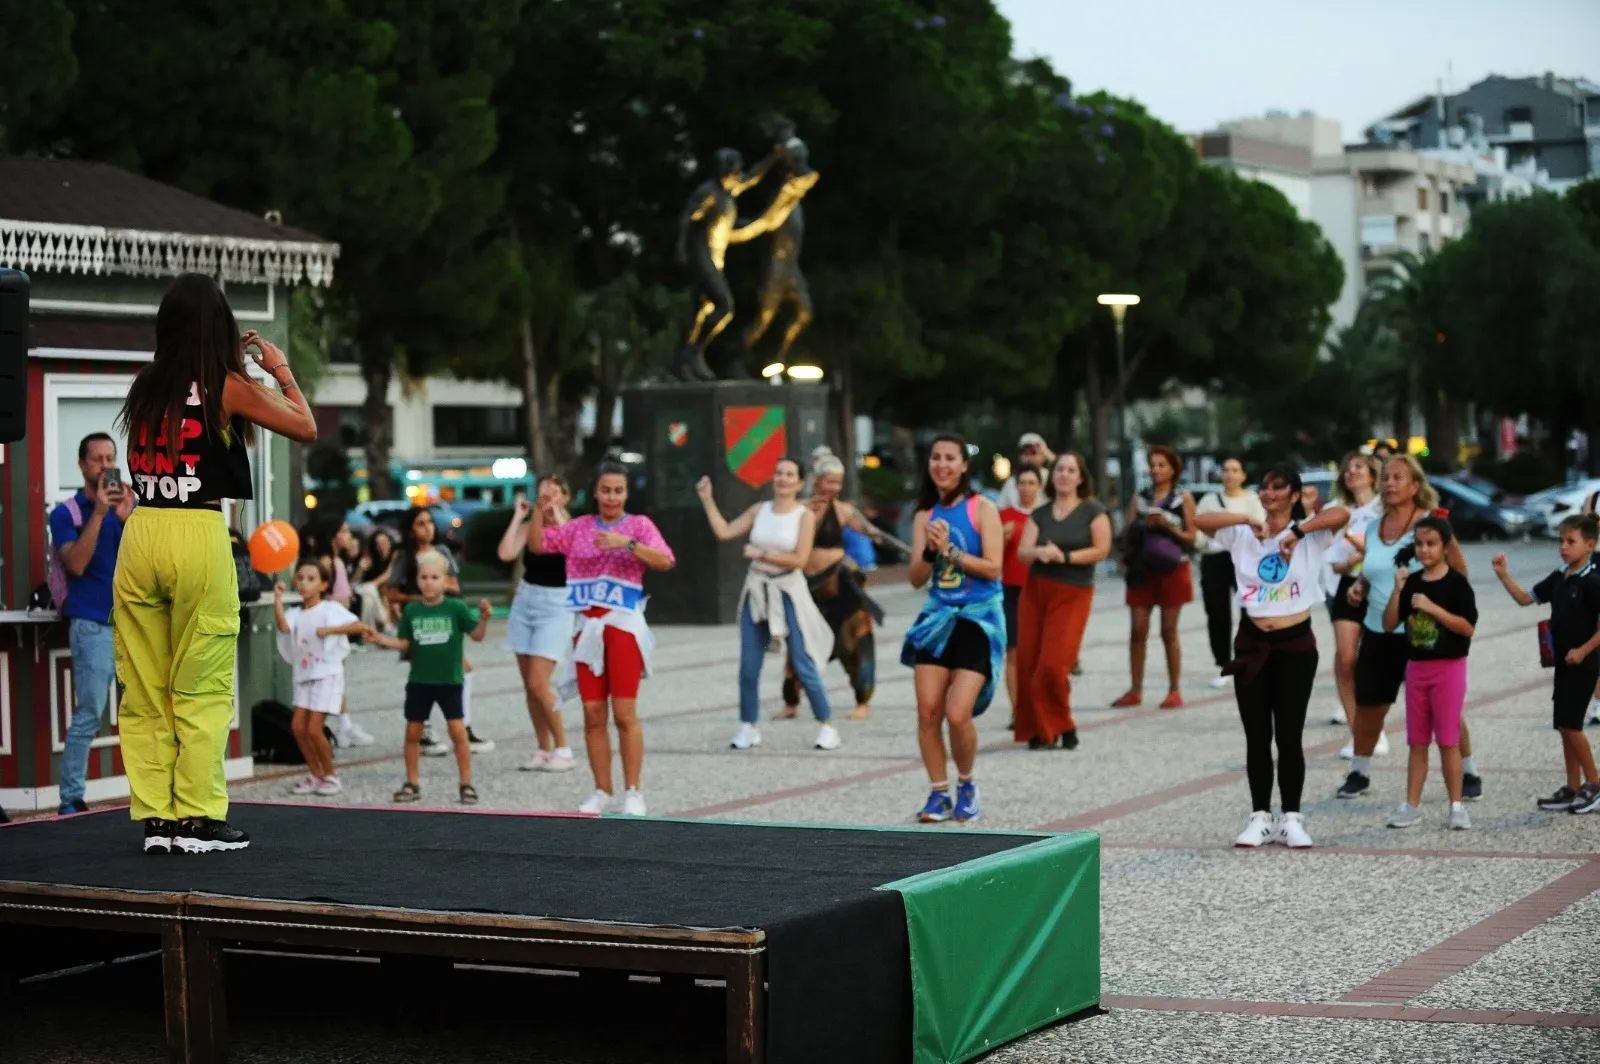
(210,466)
(830,532)
(544,570)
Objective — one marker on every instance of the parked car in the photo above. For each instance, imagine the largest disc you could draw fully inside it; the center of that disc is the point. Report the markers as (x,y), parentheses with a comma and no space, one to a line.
(1555,504)
(1475,515)
(451,526)
(1483,486)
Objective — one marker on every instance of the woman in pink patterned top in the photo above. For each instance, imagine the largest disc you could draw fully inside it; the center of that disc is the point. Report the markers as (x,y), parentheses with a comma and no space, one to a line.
(607,555)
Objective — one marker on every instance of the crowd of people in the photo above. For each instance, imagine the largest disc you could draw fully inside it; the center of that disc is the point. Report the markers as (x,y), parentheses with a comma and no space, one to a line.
(152,598)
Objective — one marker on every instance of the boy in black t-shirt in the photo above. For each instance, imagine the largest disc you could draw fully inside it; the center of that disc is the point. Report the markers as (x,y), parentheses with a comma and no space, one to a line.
(1439,611)
(1573,594)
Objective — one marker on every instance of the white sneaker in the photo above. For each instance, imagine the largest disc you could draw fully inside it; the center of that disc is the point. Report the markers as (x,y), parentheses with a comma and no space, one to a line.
(1220,681)
(595,803)
(1594,712)
(828,738)
(632,803)
(537,762)
(1292,832)
(1382,749)
(352,734)
(747,736)
(432,747)
(329,786)
(1256,832)
(559,761)
(1338,717)
(305,786)
(1348,750)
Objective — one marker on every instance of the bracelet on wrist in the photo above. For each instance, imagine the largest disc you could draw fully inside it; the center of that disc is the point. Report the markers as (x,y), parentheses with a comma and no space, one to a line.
(930,555)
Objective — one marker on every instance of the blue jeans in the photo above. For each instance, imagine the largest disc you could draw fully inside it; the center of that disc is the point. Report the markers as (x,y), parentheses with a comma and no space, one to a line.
(93,667)
(753,641)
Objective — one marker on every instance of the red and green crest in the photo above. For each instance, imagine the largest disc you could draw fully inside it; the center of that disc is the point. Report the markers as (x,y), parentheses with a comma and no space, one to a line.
(753,439)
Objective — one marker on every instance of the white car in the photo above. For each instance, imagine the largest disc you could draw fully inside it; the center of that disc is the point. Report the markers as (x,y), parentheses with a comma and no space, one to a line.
(1556,504)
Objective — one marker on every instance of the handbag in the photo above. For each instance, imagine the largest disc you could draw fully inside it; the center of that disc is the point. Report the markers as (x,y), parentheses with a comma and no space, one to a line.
(1158,553)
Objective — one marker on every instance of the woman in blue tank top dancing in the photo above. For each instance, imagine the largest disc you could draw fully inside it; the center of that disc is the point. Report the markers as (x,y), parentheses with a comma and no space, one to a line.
(957,644)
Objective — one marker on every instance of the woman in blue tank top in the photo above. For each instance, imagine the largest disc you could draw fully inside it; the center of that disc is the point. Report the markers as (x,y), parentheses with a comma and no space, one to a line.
(957,645)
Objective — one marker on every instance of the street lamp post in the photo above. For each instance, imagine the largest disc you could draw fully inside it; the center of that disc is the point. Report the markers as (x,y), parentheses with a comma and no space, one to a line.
(1119,305)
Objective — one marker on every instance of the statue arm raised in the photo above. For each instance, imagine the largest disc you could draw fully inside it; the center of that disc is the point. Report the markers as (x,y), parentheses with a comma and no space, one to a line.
(778,211)
(751,179)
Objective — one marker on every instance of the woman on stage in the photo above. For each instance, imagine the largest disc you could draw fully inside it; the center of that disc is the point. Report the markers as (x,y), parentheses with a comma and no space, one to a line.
(1278,569)
(607,556)
(838,587)
(175,596)
(775,602)
(957,645)
(1062,543)
(539,631)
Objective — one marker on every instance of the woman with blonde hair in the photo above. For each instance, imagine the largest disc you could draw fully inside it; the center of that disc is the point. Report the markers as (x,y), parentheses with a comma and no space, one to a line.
(1356,489)
(1380,668)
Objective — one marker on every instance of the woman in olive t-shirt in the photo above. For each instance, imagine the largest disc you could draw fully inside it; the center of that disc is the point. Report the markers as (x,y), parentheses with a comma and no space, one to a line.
(1063,542)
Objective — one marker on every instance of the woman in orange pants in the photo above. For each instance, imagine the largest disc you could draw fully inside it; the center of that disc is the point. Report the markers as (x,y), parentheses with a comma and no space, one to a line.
(1062,543)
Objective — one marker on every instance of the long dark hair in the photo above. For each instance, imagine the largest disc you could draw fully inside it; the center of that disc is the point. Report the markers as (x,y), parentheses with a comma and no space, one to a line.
(408,535)
(928,493)
(1291,476)
(197,346)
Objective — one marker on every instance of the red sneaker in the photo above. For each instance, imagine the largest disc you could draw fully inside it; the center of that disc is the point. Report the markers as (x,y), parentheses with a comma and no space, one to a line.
(1127,701)
(1174,700)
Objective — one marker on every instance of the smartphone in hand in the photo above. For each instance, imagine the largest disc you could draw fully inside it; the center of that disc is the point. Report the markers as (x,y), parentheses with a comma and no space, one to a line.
(111,477)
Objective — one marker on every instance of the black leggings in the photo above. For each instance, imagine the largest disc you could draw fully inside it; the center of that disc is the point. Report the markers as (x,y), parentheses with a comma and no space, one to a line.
(1273,704)
(1216,591)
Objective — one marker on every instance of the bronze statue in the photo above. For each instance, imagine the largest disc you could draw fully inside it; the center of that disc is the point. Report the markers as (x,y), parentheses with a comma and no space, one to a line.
(784,218)
(709,216)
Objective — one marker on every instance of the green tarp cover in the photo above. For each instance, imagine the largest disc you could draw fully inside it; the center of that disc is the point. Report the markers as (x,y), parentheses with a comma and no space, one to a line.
(1002,945)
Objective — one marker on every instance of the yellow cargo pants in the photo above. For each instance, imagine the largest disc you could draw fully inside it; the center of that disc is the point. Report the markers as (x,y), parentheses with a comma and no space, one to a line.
(175,625)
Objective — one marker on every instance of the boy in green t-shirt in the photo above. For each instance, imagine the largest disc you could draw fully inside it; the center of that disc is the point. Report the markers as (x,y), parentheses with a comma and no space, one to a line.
(431,628)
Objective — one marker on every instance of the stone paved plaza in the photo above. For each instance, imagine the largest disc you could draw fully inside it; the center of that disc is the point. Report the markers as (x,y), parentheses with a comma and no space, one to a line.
(1416,945)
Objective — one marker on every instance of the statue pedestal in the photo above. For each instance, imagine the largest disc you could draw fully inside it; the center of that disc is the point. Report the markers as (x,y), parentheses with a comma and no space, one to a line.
(734,432)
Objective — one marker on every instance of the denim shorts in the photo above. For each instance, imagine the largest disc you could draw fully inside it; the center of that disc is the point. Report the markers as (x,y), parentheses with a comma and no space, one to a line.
(540,624)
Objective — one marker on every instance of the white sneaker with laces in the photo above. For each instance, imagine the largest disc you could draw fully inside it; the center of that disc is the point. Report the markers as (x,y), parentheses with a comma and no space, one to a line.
(1338,717)
(828,738)
(353,734)
(559,761)
(328,787)
(1258,831)
(1594,712)
(747,736)
(305,786)
(1382,749)
(595,803)
(1292,832)
(1348,750)
(632,803)
(537,762)
(1220,681)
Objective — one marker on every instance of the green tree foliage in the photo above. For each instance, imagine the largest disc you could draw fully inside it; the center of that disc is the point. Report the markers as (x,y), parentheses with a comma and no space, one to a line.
(37,68)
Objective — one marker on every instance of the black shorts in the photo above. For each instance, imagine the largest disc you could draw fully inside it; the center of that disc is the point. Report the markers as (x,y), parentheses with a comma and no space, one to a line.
(422,697)
(1013,601)
(1381,667)
(1574,687)
(967,648)
(1339,608)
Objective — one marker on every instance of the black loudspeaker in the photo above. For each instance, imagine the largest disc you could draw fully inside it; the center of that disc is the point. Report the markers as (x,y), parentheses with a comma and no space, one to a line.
(734,432)
(13,355)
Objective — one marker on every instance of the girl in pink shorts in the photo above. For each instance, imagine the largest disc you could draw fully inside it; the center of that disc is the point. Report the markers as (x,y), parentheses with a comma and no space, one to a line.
(1439,611)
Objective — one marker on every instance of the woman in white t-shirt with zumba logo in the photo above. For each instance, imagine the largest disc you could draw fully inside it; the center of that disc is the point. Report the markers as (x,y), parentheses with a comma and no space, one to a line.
(1278,566)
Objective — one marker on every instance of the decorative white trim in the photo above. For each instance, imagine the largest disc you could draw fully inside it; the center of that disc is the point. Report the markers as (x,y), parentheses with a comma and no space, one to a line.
(93,249)
(63,704)
(105,788)
(143,310)
(88,354)
(5,703)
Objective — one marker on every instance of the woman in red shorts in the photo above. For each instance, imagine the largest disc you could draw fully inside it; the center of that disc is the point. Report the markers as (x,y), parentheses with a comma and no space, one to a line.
(1159,533)
(607,556)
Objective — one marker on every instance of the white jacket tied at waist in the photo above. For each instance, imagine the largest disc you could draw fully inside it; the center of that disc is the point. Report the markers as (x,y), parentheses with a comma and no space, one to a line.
(590,649)
(764,594)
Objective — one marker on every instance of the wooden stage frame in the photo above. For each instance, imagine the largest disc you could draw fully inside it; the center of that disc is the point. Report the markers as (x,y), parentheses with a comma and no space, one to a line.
(195,928)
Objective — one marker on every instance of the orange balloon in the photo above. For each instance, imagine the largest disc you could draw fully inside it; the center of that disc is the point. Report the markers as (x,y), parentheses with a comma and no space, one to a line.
(274,547)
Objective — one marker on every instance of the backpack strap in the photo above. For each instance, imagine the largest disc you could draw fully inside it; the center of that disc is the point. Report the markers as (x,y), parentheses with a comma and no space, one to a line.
(74,511)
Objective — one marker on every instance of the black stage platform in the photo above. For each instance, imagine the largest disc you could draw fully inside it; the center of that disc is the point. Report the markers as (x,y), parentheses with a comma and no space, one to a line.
(836,944)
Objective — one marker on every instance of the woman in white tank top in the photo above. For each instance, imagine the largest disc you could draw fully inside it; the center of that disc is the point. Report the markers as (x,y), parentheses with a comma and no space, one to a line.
(776,601)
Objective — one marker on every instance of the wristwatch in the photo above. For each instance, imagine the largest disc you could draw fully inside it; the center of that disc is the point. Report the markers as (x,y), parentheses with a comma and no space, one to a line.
(632,543)
(1299,533)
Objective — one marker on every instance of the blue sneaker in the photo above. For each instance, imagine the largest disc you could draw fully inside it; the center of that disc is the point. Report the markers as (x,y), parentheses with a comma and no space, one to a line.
(938,808)
(966,802)
(77,805)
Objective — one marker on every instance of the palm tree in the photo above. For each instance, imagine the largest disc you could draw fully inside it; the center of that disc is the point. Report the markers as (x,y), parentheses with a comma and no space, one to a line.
(1404,307)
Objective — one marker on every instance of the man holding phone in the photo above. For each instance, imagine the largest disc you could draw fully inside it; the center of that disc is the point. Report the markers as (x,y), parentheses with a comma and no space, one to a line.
(85,532)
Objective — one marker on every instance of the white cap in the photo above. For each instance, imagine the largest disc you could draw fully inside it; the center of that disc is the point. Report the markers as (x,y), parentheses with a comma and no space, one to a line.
(1030,439)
